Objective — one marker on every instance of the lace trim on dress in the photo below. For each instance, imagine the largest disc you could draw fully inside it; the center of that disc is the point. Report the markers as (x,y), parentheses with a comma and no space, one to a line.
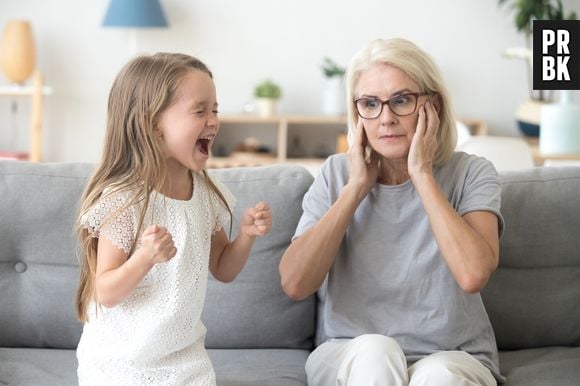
(222,216)
(107,219)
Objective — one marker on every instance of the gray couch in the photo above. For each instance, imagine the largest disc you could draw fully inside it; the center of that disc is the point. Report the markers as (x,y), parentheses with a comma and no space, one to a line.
(256,335)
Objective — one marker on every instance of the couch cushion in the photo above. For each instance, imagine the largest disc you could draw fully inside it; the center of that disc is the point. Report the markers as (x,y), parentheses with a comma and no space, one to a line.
(554,366)
(253,311)
(34,366)
(261,367)
(533,298)
(38,263)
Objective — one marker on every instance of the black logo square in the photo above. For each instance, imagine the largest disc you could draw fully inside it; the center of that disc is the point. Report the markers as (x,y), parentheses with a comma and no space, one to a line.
(556,55)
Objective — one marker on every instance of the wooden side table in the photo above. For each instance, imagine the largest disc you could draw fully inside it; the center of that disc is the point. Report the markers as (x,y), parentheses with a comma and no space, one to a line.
(541,159)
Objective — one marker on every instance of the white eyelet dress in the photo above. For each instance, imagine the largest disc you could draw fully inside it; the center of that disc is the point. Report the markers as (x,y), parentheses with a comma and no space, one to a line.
(155,336)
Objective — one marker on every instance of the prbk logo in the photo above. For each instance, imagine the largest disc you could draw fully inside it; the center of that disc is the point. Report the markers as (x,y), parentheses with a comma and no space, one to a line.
(556,55)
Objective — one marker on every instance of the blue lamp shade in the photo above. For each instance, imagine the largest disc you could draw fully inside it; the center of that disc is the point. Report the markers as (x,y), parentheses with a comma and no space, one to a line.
(135,13)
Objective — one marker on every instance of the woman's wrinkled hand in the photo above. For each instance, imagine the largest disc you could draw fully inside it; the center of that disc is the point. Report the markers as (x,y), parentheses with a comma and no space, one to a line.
(362,173)
(424,143)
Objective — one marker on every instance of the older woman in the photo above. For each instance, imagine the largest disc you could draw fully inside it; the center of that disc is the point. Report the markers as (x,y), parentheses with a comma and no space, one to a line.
(399,236)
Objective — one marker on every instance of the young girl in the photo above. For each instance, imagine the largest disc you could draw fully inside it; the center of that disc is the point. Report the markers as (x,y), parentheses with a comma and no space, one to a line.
(151,225)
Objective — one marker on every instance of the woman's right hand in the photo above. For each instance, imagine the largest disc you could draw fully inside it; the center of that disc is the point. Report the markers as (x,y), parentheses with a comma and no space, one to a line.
(361,175)
(157,244)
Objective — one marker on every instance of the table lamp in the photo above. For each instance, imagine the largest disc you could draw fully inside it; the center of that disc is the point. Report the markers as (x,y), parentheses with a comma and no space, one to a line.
(134,14)
(560,127)
(17,53)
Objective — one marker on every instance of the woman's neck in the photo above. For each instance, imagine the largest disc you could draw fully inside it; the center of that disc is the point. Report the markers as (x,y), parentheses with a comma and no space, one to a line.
(393,172)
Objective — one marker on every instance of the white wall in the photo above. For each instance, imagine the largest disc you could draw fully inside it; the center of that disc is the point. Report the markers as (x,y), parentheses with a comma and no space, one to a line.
(245,41)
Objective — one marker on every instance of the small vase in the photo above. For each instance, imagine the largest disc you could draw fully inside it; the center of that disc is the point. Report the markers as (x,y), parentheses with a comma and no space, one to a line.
(266,107)
(333,98)
(17,55)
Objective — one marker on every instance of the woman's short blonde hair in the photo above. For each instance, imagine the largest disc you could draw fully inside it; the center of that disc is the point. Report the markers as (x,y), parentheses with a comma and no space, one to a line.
(421,68)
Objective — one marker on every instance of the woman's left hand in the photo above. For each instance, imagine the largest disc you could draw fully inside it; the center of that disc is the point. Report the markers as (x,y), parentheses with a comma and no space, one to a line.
(424,143)
(257,221)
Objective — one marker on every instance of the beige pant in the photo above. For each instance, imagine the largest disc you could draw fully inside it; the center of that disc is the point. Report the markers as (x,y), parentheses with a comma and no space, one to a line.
(377,360)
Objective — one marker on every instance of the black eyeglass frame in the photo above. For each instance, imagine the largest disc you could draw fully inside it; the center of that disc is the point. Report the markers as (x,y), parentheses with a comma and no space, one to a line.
(388,102)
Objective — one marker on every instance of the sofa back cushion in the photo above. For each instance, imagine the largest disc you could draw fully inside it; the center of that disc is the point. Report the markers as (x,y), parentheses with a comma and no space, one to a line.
(39,266)
(38,262)
(533,298)
(253,311)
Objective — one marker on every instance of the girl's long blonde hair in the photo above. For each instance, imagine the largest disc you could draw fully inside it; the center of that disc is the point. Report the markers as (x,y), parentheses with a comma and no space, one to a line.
(421,68)
(132,159)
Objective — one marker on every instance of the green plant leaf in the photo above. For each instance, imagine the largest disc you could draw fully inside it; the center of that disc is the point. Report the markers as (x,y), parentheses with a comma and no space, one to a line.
(268,89)
(526,11)
(331,68)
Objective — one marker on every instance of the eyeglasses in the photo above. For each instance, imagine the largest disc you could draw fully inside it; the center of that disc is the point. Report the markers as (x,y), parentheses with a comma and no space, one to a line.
(401,105)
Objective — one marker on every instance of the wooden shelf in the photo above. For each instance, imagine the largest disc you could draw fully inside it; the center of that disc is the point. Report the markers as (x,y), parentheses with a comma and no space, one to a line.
(36,91)
(15,90)
(281,124)
(232,162)
(297,119)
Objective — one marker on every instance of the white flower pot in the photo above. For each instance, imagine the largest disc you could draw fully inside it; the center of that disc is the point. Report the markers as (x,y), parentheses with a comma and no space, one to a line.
(266,107)
(333,102)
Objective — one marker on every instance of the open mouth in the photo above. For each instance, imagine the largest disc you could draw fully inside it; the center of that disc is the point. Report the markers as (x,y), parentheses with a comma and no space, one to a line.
(203,144)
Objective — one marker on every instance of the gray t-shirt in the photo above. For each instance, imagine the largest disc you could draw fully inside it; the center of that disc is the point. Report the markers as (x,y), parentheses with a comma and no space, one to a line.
(389,276)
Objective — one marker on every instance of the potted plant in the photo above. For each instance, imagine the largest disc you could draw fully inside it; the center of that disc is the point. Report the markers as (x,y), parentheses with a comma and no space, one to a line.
(267,94)
(334,96)
(331,69)
(525,12)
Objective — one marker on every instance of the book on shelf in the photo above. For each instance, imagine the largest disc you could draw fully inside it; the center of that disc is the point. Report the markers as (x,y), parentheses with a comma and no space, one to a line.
(14,155)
